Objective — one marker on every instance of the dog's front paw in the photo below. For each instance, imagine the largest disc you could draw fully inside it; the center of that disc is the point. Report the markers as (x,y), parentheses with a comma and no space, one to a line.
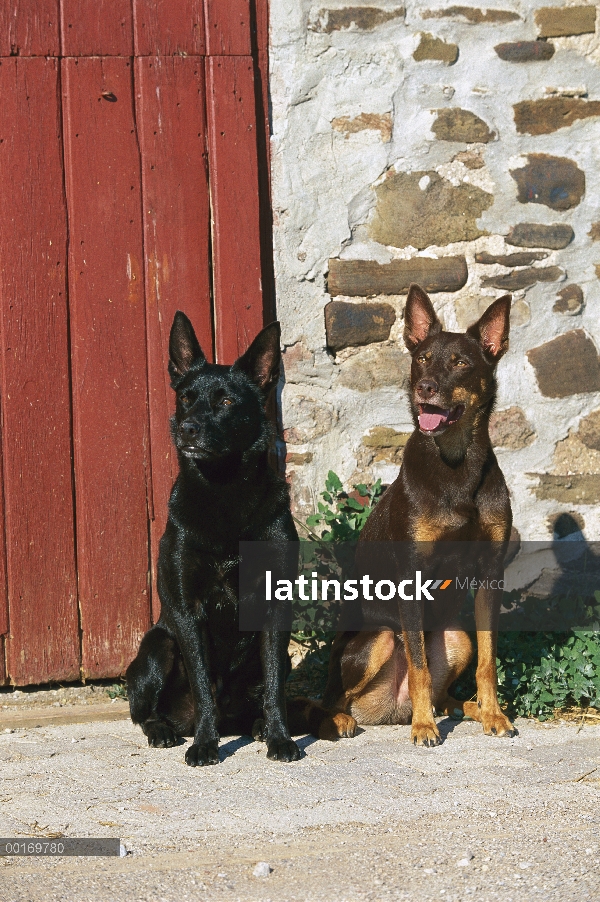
(498,724)
(199,755)
(160,735)
(283,750)
(339,726)
(425,734)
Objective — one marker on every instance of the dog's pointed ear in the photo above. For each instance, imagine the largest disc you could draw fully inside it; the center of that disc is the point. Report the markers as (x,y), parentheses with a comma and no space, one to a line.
(491,329)
(184,348)
(420,319)
(262,360)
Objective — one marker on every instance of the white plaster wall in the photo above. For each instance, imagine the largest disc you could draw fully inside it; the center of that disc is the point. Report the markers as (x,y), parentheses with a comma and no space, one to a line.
(323,198)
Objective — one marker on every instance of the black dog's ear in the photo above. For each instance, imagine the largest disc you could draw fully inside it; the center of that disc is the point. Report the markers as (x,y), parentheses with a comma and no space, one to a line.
(420,319)
(491,329)
(262,360)
(183,347)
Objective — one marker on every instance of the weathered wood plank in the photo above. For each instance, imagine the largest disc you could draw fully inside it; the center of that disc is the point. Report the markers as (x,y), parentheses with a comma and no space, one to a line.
(366,278)
(29,28)
(44,642)
(233,161)
(96,27)
(168,27)
(110,404)
(228,27)
(176,205)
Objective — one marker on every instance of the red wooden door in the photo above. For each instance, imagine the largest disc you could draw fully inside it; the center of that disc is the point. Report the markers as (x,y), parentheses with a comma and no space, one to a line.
(133,183)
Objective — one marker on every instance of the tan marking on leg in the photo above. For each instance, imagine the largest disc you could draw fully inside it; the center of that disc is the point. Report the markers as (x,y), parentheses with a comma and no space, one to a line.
(493,720)
(424,730)
(357,672)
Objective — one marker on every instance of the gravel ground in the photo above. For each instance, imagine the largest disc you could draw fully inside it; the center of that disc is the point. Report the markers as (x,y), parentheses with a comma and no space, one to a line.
(368,818)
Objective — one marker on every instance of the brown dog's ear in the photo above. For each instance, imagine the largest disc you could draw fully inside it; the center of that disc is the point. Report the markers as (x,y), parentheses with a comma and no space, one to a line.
(183,348)
(420,319)
(491,329)
(262,360)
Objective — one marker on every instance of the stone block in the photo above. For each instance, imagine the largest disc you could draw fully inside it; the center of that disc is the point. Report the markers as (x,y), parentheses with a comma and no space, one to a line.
(570,301)
(375,367)
(541,117)
(524,278)
(582,488)
(510,429)
(352,325)
(471,159)
(366,278)
(556,182)
(572,456)
(431,48)
(381,122)
(472,15)
(567,365)
(461,125)
(534,234)
(555,21)
(525,51)
(422,208)
(523,259)
(298,459)
(385,437)
(594,232)
(589,430)
(310,419)
(358,18)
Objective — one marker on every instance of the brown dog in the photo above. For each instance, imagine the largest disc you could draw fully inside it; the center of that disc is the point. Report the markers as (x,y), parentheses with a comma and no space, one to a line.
(449,488)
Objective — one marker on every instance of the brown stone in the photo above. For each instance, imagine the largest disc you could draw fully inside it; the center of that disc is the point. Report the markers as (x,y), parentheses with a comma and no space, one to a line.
(582,488)
(524,259)
(363,18)
(297,459)
(525,51)
(366,278)
(352,325)
(311,419)
(385,437)
(541,117)
(556,182)
(431,48)
(381,122)
(472,15)
(375,367)
(438,213)
(534,234)
(470,158)
(589,430)
(567,365)
(597,269)
(554,22)
(524,278)
(383,444)
(461,125)
(570,300)
(572,456)
(510,429)
(594,232)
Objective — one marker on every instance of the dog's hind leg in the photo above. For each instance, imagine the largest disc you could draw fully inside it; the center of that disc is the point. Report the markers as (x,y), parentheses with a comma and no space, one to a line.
(448,654)
(149,677)
(307,716)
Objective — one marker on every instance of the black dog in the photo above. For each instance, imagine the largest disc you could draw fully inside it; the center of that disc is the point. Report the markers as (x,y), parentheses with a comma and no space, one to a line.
(196,674)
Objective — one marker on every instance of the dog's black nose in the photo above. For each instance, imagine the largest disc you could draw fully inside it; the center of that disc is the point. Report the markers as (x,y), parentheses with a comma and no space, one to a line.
(189,429)
(427,387)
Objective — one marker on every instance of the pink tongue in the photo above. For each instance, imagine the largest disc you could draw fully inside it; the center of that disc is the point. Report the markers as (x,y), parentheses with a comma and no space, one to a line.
(428,421)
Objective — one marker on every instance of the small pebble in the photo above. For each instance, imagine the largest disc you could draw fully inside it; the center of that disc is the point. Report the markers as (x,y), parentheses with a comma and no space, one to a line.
(262,869)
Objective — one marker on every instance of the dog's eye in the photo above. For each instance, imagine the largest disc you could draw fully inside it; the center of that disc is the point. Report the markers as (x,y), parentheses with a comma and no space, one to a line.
(422,359)
(184,399)
(461,363)
(226,402)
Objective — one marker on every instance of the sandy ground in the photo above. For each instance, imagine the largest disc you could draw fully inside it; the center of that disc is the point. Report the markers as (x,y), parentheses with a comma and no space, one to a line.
(367,818)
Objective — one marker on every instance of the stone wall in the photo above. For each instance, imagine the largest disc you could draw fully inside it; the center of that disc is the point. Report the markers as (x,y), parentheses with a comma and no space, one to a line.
(456,146)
